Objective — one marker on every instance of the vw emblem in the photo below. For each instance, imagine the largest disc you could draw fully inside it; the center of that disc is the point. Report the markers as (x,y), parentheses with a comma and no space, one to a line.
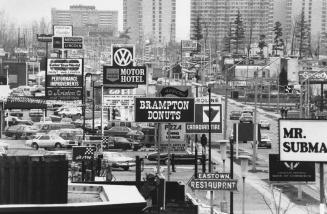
(123,57)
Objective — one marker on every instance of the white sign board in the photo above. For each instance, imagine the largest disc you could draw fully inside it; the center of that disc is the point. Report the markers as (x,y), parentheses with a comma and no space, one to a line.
(177,132)
(303,140)
(64,67)
(205,100)
(62,30)
(119,100)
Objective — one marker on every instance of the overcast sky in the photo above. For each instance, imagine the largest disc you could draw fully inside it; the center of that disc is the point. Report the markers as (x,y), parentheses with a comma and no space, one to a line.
(23,11)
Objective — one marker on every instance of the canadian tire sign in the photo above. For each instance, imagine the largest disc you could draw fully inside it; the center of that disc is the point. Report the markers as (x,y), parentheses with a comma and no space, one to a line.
(170,110)
(303,140)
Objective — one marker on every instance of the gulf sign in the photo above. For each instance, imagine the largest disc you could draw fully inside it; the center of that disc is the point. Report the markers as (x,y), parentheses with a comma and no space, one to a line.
(303,140)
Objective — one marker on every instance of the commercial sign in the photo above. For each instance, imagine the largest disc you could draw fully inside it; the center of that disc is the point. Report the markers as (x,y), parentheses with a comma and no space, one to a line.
(287,171)
(62,30)
(202,118)
(303,140)
(213,181)
(21,102)
(122,55)
(170,110)
(177,132)
(313,76)
(73,42)
(189,45)
(44,37)
(81,153)
(174,91)
(64,79)
(119,100)
(118,76)
(174,147)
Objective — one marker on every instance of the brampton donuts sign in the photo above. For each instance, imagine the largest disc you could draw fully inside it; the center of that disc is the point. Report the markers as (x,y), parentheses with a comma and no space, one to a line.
(171,110)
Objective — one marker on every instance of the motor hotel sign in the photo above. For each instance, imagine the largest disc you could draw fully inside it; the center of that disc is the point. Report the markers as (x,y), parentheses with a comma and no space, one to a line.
(113,75)
(303,140)
(170,110)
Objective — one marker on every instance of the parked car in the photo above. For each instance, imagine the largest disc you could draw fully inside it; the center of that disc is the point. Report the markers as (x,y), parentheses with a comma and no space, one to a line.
(21,131)
(179,158)
(246,118)
(264,142)
(68,134)
(124,143)
(118,160)
(264,124)
(49,141)
(123,131)
(235,115)
(16,112)
(70,111)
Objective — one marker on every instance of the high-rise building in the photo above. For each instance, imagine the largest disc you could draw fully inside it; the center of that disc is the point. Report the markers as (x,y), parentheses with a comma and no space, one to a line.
(216,16)
(153,20)
(315,17)
(84,18)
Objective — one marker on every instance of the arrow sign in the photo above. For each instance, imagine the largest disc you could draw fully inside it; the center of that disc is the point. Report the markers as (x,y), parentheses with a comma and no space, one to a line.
(213,115)
(213,184)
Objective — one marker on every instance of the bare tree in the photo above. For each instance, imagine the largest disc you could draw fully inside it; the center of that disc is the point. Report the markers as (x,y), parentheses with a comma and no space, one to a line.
(275,205)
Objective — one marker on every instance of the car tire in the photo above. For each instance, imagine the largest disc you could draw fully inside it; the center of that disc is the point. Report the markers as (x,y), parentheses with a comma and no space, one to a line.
(35,146)
(126,168)
(58,145)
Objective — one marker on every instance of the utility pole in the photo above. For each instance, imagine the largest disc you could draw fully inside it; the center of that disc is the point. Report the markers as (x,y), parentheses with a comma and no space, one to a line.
(255,122)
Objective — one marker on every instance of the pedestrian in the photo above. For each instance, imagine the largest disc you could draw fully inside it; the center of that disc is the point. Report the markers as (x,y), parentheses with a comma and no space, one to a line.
(204,142)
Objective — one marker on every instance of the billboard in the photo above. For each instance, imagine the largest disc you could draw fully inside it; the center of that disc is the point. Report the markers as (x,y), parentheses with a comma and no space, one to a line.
(287,171)
(64,79)
(117,76)
(62,30)
(122,55)
(170,110)
(82,153)
(20,102)
(202,118)
(189,45)
(119,100)
(302,140)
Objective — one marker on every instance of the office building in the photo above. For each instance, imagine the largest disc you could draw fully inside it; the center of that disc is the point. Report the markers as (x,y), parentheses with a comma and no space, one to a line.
(153,20)
(216,16)
(86,18)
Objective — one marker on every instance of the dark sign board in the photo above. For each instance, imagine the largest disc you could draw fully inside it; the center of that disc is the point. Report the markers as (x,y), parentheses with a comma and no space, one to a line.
(57,42)
(244,131)
(113,75)
(174,91)
(288,171)
(215,175)
(25,103)
(315,77)
(64,79)
(122,56)
(201,124)
(213,184)
(170,110)
(81,153)
(44,37)
(73,42)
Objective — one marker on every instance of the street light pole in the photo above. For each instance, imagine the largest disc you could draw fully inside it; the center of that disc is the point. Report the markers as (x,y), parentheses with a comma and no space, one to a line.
(93,106)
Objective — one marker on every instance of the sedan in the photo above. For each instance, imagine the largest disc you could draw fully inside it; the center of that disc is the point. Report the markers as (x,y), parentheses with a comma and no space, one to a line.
(179,158)
(123,131)
(245,118)
(21,131)
(264,124)
(124,143)
(118,160)
(49,141)
(264,142)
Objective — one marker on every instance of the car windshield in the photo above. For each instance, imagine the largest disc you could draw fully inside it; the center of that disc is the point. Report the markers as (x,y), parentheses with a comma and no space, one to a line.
(122,139)
(264,136)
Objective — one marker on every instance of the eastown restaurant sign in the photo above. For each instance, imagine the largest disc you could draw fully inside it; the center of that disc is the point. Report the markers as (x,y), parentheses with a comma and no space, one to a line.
(303,140)
(171,110)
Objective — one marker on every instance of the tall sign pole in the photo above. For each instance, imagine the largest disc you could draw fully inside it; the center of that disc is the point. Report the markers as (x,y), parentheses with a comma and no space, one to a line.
(321,164)
(210,166)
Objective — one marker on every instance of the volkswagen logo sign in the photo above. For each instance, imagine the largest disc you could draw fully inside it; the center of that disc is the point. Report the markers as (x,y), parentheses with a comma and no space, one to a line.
(123,57)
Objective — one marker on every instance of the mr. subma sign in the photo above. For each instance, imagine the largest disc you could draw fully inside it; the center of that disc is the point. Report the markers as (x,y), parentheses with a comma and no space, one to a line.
(303,140)
(170,110)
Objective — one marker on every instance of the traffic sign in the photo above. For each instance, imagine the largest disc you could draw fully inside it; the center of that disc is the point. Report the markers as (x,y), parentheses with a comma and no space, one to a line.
(213,184)
(44,37)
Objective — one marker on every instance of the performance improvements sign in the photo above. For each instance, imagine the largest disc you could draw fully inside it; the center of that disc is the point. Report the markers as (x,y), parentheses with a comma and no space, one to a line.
(303,140)
(64,79)
(170,110)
